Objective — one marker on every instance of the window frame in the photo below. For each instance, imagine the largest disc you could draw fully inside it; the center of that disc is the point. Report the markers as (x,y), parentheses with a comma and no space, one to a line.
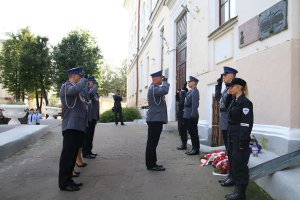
(221,5)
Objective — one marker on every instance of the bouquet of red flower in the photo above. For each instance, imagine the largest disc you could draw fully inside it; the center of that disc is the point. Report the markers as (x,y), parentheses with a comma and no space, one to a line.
(222,167)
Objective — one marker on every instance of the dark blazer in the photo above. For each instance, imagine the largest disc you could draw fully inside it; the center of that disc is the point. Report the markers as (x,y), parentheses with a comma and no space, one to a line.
(117,104)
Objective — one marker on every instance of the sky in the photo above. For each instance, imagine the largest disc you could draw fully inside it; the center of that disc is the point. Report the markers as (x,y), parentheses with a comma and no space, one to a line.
(107,20)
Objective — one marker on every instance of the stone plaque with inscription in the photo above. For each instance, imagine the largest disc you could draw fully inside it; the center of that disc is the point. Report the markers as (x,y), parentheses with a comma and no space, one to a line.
(273,20)
(249,32)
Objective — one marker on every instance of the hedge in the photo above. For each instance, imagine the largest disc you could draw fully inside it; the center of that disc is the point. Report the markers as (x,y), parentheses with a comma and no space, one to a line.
(129,114)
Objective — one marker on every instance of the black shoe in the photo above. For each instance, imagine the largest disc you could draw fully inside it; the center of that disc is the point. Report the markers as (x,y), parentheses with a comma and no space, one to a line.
(77,184)
(223,180)
(122,124)
(228,182)
(156,168)
(116,123)
(182,147)
(89,156)
(161,166)
(82,165)
(70,188)
(193,152)
(93,154)
(238,194)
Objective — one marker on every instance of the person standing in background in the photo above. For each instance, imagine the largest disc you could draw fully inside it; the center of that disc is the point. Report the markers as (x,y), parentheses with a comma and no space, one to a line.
(93,117)
(180,98)
(191,115)
(31,120)
(118,108)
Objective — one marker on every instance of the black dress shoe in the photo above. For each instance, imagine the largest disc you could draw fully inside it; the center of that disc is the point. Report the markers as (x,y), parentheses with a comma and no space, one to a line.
(89,156)
(76,172)
(181,147)
(161,166)
(228,182)
(122,124)
(94,154)
(70,188)
(77,184)
(82,165)
(193,152)
(155,168)
(223,180)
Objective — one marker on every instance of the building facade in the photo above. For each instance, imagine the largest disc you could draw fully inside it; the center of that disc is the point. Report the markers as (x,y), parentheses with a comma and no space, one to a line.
(261,39)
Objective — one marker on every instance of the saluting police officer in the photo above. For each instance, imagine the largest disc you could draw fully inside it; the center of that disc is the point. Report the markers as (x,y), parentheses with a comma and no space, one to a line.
(225,99)
(239,130)
(156,117)
(74,123)
(191,115)
(180,98)
(93,117)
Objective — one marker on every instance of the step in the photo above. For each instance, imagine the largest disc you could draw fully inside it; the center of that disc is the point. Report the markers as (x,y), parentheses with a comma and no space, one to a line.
(15,138)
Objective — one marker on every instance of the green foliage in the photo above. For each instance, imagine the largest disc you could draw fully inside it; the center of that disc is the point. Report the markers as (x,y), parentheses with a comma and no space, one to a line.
(107,116)
(77,49)
(110,81)
(129,114)
(25,65)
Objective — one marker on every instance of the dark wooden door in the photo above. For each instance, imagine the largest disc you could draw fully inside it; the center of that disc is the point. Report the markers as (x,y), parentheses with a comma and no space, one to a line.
(181,34)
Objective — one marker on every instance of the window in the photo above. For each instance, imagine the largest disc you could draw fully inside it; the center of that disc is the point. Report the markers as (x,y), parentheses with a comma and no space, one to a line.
(227,10)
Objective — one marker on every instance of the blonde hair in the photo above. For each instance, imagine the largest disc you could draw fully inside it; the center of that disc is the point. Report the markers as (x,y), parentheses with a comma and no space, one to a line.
(245,90)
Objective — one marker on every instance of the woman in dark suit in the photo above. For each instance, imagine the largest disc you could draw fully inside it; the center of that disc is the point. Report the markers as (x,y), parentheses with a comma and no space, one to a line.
(240,125)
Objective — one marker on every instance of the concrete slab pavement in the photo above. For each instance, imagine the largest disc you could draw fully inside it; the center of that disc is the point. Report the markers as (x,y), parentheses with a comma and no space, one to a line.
(118,173)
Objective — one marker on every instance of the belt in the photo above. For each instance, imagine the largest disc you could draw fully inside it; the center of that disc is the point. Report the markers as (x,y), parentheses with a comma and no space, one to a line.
(223,110)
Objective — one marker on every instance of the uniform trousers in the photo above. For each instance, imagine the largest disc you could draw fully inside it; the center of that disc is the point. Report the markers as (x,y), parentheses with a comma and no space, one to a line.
(71,143)
(118,115)
(154,131)
(88,138)
(229,153)
(182,129)
(192,127)
(239,163)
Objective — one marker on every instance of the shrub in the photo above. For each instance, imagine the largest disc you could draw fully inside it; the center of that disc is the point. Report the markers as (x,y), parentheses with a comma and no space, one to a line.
(129,114)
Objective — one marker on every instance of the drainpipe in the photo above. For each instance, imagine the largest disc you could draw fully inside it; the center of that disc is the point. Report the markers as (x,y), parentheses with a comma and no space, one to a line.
(137,56)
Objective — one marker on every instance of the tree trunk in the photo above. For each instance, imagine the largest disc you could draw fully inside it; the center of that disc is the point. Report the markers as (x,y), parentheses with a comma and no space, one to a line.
(41,105)
(37,99)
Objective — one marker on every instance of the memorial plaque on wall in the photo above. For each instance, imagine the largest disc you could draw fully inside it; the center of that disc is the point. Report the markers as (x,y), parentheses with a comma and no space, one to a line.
(273,20)
(249,32)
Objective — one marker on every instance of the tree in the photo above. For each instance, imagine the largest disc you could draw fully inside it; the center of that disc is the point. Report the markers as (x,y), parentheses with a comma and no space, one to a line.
(110,81)
(25,66)
(36,68)
(77,49)
(10,64)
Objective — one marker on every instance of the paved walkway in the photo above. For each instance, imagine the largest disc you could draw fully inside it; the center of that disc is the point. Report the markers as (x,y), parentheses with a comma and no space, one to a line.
(118,173)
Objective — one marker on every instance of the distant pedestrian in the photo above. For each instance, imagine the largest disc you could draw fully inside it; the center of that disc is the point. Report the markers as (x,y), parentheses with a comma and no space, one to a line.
(38,117)
(225,99)
(118,108)
(156,117)
(191,115)
(239,130)
(182,129)
(31,120)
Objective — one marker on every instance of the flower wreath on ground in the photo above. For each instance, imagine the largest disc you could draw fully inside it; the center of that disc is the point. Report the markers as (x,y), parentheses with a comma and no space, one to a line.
(218,159)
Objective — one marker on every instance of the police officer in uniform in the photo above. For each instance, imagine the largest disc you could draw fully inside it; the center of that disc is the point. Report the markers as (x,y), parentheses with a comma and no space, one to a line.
(239,130)
(180,98)
(74,123)
(225,99)
(93,117)
(191,115)
(156,117)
